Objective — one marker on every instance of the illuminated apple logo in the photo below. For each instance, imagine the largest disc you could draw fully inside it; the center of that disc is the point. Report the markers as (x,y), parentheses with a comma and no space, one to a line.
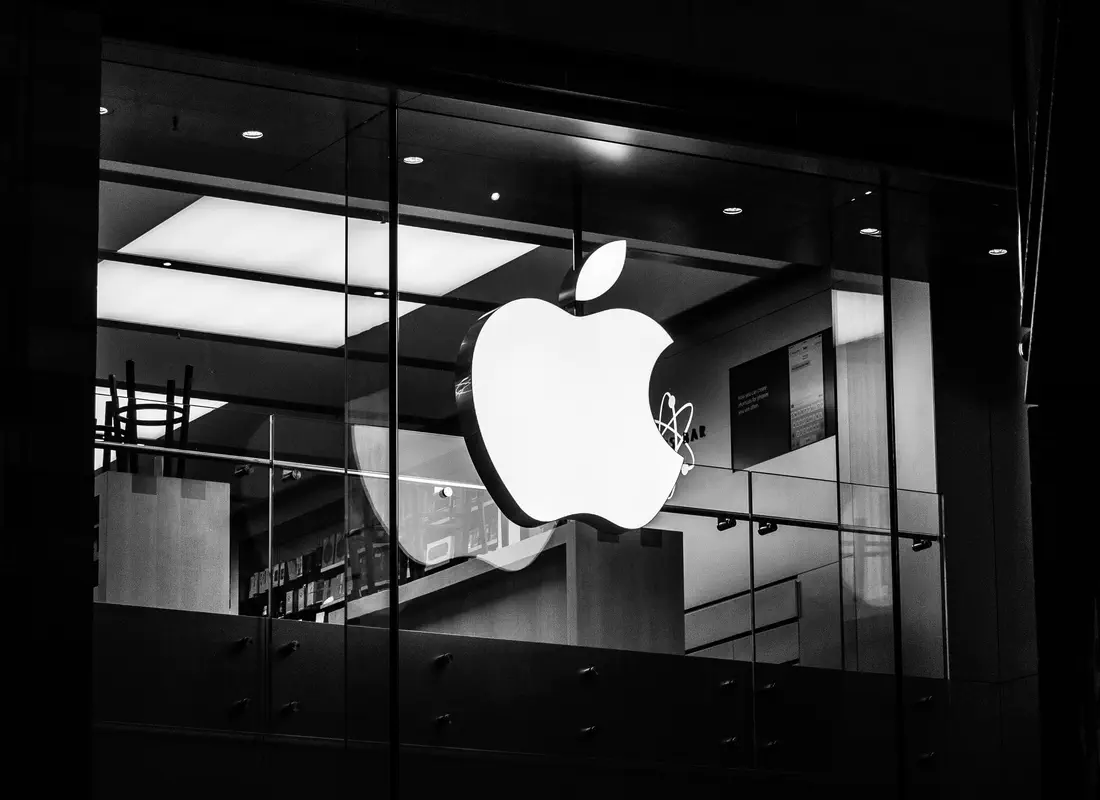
(532,379)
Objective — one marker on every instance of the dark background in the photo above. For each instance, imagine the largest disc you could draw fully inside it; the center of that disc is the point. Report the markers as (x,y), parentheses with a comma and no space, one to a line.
(926,86)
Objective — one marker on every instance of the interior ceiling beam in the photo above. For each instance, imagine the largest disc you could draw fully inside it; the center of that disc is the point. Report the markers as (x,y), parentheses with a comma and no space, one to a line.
(411,362)
(236,400)
(434,221)
(444,301)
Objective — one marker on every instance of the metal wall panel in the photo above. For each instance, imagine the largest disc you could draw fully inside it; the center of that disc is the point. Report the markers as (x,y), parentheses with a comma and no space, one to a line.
(368,685)
(179,668)
(798,717)
(925,708)
(489,694)
(307,679)
(184,670)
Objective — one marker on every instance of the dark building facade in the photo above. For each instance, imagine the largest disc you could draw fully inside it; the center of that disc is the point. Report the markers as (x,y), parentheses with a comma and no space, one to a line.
(500,400)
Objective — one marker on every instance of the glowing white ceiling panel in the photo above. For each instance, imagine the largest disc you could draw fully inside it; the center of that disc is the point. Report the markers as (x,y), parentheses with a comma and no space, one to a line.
(286,242)
(309,244)
(190,301)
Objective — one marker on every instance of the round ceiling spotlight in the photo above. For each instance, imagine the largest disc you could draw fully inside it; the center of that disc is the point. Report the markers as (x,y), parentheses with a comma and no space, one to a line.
(874,232)
(167,263)
(732,211)
(103,110)
(494,196)
(867,192)
(413,160)
(379,293)
(252,134)
(998,251)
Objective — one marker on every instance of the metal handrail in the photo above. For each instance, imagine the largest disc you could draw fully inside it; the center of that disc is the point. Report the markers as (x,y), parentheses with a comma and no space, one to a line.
(715,513)
(101,444)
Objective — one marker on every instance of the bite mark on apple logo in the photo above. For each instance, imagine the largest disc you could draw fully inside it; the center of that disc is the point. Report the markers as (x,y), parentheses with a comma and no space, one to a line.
(521,370)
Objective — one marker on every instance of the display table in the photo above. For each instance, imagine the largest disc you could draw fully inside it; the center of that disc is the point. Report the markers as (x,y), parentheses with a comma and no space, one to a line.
(622,592)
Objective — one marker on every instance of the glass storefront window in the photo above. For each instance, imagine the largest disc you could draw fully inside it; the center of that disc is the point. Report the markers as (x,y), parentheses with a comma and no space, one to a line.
(631,397)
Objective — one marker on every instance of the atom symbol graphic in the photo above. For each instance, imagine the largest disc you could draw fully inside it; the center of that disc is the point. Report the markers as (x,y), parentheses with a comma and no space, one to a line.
(672,426)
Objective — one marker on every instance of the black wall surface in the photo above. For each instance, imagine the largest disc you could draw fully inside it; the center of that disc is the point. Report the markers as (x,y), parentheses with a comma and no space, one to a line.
(1058,96)
(982,465)
(921,85)
(937,55)
(223,705)
(49,65)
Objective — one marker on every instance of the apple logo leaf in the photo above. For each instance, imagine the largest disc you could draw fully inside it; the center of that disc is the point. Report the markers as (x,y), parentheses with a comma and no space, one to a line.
(600,271)
(598,274)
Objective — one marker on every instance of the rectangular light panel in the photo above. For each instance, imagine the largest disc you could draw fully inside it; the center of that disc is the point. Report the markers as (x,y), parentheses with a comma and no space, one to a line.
(309,244)
(169,298)
(287,242)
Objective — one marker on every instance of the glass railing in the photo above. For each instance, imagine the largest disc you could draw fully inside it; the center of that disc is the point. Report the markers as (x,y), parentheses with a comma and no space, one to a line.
(815,583)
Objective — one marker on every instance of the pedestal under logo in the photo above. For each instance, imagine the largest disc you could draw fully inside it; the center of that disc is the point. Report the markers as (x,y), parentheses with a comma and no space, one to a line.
(532,378)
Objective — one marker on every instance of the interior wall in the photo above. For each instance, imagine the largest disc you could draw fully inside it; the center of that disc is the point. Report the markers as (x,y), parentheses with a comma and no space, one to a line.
(801,483)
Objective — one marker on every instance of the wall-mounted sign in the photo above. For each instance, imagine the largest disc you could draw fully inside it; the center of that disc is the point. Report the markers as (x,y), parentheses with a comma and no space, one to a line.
(531,377)
(783,400)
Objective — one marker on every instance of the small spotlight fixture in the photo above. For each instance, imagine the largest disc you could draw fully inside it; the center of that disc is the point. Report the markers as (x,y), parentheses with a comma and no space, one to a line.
(167,263)
(867,192)
(921,544)
(998,251)
(252,134)
(768,527)
(873,232)
(413,160)
(379,293)
(732,211)
(444,492)
(494,196)
(103,110)
(725,523)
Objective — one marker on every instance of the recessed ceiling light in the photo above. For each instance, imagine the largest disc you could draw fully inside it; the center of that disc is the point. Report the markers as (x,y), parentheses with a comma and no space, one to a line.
(875,232)
(167,263)
(102,110)
(494,196)
(252,134)
(731,211)
(867,192)
(379,293)
(414,160)
(998,251)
